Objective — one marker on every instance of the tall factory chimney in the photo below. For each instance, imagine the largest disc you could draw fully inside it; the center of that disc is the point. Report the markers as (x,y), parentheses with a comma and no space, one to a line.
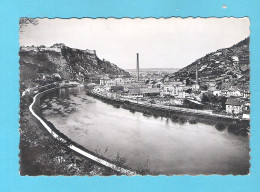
(196,76)
(137,67)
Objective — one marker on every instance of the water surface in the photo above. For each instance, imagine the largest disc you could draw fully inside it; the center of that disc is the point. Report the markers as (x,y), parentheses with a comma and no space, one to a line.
(146,143)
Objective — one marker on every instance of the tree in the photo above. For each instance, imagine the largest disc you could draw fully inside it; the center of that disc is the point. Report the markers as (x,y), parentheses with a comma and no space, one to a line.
(187,81)
(189,91)
(205,98)
(25,21)
(204,87)
(223,102)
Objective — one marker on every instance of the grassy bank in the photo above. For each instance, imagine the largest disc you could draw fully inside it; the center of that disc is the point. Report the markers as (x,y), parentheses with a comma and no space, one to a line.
(41,154)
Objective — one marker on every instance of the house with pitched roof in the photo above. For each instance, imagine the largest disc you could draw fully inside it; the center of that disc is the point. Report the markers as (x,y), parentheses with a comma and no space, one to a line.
(150,91)
(233,106)
(133,93)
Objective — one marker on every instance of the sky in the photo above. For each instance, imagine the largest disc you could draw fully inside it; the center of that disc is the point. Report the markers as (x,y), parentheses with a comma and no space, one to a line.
(161,43)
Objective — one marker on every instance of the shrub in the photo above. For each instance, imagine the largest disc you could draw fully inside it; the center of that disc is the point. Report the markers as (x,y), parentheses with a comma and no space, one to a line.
(182,120)
(193,121)
(175,118)
(220,126)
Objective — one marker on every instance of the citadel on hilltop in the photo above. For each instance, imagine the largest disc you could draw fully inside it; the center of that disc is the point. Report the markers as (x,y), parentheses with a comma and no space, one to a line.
(57,47)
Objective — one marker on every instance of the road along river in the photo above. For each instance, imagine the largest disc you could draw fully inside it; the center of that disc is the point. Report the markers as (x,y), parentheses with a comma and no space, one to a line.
(145,143)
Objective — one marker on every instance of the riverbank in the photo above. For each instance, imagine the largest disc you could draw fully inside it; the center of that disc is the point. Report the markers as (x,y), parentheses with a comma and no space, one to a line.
(59,159)
(195,148)
(42,154)
(234,125)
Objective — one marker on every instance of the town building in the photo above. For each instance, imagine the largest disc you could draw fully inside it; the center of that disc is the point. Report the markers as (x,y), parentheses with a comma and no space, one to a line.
(167,90)
(150,91)
(98,89)
(217,92)
(246,115)
(158,85)
(224,92)
(195,86)
(246,94)
(104,80)
(116,88)
(233,106)
(233,92)
(133,93)
(172,89)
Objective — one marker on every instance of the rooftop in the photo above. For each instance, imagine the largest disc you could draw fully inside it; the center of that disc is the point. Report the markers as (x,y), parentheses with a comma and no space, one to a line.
(233,102)
(233,89)
(150,90)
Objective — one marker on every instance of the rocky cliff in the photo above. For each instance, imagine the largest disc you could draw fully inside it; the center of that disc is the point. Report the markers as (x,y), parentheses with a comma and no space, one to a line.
(65,62)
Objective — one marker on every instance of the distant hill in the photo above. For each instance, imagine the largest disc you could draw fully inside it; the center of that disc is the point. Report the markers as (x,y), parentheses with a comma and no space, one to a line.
(232,61)
(170,70)
(66,62)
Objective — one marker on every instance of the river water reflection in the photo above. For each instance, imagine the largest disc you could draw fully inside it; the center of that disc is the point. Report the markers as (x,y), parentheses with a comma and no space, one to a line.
(156,144)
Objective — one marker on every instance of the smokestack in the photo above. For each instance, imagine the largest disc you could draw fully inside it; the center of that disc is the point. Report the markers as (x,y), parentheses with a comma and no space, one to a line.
(137,66)
(196,75)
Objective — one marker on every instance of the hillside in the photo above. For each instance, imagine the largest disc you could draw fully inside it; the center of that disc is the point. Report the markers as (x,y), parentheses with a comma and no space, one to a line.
(153,70)
(48,63)
(232,62)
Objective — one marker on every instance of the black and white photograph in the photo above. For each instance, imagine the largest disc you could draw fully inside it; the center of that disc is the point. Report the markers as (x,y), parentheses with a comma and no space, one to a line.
(134,96)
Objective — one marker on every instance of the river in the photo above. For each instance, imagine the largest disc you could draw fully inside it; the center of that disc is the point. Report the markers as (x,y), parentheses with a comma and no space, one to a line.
(144,142)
